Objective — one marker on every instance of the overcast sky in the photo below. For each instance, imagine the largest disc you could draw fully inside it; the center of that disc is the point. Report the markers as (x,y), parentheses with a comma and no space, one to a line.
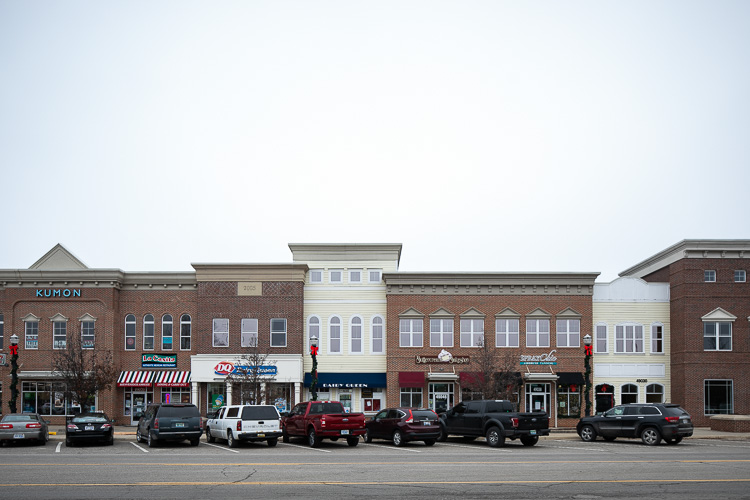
(482,135)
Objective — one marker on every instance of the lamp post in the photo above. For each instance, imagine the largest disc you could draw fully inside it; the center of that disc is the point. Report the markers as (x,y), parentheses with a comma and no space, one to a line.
(13,372)
(587,375)
(314,371)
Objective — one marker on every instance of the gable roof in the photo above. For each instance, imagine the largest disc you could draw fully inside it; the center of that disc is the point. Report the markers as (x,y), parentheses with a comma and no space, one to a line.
(58,259)
(689,249)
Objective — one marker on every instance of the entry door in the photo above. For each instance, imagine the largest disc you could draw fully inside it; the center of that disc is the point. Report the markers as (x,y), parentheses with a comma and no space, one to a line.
(138,405)
(440,396)
(538,397)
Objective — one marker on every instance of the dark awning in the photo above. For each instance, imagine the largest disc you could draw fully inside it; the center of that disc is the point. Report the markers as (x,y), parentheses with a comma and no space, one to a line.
(347,380)
(568,378)
(471,378)
(411,379)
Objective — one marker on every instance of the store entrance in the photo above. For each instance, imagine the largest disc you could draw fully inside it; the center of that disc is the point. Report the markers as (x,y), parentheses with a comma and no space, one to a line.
(538,397)
(138,404)
(440,396)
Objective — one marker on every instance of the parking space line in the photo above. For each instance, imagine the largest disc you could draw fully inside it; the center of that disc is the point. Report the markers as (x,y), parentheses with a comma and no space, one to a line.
(392,448)
(142,449)
(306,447)
(57,448)
(221,447)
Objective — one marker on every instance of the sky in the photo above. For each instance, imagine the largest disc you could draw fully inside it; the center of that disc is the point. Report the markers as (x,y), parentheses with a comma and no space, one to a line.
(484,136)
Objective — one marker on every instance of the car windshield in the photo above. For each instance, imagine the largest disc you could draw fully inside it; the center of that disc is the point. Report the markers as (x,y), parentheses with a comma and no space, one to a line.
(259,413)
(89,419)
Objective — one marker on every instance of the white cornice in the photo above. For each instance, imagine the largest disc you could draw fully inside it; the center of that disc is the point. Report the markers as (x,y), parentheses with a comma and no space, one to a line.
(690,249)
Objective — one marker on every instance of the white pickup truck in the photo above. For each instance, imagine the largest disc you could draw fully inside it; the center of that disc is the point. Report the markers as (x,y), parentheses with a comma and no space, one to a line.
(237,423)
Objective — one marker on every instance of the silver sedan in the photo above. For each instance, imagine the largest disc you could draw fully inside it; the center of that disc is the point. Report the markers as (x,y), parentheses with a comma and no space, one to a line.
(23,427)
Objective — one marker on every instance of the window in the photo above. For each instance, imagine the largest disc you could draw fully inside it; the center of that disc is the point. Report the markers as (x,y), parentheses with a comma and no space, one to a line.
(130,332)
(739,276)
(537,333)
(316,276)
(249,332)
(600,339)
(378,346)
(355,275)
(335,276)
(569,400)
(278,332)
(718,397)
(410,333)
(334,335)
(568,333)
(717,336)
(375,275)
(355,335)
(88,336)
(654,393)
(59,334)
(221,332)
(313,330)
(148,332)
(185,332)
(472,332)
(441,333)
(629,339)
(166,332)
(629,394)
(32,334)
(657,339)
(411,397)
(709,276)
(2,331)
(506,332)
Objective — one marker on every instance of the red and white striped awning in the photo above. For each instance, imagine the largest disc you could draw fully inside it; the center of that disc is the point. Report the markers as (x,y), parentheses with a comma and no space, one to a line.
(172,379)
(135,379)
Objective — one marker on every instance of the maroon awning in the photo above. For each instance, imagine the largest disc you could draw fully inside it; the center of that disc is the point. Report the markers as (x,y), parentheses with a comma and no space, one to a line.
(470,378)
(411,379)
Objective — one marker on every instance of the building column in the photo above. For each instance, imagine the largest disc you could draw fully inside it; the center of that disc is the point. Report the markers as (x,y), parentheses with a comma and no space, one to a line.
(195,394)
(229,393)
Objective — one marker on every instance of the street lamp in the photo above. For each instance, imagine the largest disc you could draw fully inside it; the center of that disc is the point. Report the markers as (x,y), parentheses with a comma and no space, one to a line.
(587,375)
(314,372)
(13,372)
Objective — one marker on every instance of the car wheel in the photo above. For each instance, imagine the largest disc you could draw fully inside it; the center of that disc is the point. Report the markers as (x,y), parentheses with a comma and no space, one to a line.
(150,440)
(398,438)
(312,439)
(209,437)
(284,436)
(529,440)
(195,442)
(111,439)
(443,435)
(650,436)
(429,442)
(588,433)
(368,437)
(352,441)
(68,443)
(231,441)
(138,437)
(494,437)
(273,442)
(46,436)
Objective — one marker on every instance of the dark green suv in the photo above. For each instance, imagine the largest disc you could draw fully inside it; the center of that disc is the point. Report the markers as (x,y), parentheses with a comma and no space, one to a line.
(170,422)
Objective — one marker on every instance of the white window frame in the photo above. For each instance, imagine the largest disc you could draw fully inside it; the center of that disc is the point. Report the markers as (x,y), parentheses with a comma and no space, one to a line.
(740,276)
(220,326)
(88,321)
(377,332)
(335,333)
(655,337)
(474,335)
(32,335)
(411,333)
(709,276)
(729,386)
(717,336)
(568,335)
(353,278)
(189,336)
(149,326)
(278,332)
(601,335)
(164,324)
(444,336)
(58,344)
(249,332)
(506,325)
(537,334)
(654,384)
(637,392)
(131,321)
(319,273)
(356,323)
(314,328)
(626,341)
(340,276)
(379,275)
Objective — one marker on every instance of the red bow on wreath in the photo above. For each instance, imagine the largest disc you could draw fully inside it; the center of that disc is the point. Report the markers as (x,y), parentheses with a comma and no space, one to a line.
(314,350)
(14,350)
(589,350)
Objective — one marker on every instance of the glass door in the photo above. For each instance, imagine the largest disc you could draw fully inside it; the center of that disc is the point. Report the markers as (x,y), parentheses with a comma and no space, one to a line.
(138,406)
(538,397)
(440,396)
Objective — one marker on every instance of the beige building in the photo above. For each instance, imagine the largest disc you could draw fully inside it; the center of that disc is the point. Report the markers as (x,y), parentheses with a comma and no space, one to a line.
(631,343)
(345,308)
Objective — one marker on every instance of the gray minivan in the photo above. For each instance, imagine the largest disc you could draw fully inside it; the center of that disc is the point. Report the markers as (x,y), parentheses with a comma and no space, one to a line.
(170,422)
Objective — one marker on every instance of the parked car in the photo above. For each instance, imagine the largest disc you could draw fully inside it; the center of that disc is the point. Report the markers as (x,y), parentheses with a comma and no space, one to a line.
(401,425)
(170,422)
(651,422)
(237,423)
(94,426)
(24,426)
(319,420)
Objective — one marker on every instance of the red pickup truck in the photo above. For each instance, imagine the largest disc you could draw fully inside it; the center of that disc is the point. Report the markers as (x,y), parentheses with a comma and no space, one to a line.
(323,420)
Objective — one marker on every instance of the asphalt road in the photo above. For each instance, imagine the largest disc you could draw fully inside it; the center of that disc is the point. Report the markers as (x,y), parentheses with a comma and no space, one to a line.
(696,468)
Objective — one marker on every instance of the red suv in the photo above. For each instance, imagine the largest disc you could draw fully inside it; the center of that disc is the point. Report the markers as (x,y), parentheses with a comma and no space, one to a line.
(401,425)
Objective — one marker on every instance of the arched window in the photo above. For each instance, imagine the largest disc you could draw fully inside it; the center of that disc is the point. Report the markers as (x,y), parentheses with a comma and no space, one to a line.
(605,398)
(185,332)
(334,335)
(130,332)
(148,332)
(628,394)
(378,340)
(355,336)
(166,332)
(313,329)
(654,393)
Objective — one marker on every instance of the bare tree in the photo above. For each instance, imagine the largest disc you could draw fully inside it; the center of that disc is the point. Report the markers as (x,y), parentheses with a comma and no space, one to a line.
(495,375)
(83,371)
(252,374)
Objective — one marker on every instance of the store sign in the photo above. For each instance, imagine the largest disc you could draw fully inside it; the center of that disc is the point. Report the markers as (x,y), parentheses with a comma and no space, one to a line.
(541,359)
(443,357)
(58,292)
(345,385)
(226,367)
(159,361)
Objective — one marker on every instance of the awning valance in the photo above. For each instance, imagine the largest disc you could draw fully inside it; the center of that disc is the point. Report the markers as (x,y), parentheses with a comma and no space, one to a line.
(347,380)
(135,379)
(172,379)
(568,378)
(411,379)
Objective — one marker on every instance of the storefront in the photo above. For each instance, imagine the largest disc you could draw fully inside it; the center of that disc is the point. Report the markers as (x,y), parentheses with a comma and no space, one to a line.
(143,387)
(358,392)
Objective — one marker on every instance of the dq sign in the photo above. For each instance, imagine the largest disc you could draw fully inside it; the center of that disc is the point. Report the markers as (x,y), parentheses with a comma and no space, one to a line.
(224,368)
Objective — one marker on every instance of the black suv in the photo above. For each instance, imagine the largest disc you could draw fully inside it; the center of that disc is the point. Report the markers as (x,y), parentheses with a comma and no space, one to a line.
(651,422)
(170,422)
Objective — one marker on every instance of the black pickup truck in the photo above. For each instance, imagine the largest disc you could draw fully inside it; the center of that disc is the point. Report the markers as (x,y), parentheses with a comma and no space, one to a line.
(496,420)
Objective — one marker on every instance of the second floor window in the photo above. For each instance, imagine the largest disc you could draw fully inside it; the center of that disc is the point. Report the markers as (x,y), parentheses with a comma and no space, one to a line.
(148,332)
(739,276)
(537,333)
(568,333)
(410,333)
(441,333)
(657,339)
(472,332)
(130,332)
(278,332)
(221,332)
(334,335)
(709,276)
(717,336)
(506,332)
(32,335)
(249,332)
(378,339)
(185,332)
(88,336)
(355,336)
(166,332)
(2,331)
(629,339)
(600,339)
(59,334)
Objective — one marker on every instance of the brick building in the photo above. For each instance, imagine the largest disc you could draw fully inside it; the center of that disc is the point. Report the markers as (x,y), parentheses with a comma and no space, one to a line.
(709,313)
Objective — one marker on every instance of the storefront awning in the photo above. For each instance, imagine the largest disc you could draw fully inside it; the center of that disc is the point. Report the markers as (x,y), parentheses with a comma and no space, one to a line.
(172,379)
(347,380)
(471,378)
(568,378)
(411,379)
(135,379)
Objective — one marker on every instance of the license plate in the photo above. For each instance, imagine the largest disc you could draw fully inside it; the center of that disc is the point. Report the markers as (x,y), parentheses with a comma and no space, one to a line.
(179,424)
(261,435)
(426,422)
(533,433)
(89,427)
(18,436)
(344,433)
